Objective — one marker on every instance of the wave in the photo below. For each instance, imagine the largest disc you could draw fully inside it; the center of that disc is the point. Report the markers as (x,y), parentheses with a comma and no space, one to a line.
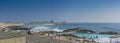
(57,29)
(45,28)
(49,24)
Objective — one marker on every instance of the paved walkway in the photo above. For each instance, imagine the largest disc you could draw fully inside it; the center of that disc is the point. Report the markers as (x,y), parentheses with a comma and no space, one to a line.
(35,39)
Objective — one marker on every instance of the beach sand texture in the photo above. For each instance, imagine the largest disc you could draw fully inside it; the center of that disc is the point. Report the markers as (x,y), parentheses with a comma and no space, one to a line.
(4,25)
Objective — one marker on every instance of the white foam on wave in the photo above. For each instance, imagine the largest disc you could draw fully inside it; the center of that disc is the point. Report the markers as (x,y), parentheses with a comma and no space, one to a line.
(57,29)
(49,24)
(44,28)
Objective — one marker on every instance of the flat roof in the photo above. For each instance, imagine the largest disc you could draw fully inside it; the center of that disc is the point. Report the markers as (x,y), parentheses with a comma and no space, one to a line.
(7,35)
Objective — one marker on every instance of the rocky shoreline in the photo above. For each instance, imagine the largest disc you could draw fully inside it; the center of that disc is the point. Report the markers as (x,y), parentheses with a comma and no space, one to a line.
(62,38)
(79,30)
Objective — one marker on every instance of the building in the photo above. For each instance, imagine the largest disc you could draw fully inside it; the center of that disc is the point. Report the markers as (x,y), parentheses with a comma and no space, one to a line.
(12,37)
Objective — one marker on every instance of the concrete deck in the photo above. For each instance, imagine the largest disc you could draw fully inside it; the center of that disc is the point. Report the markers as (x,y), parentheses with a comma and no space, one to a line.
(7,35)
(35,39)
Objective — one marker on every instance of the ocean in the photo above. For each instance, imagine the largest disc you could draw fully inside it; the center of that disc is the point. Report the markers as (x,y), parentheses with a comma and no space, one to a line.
(97,27)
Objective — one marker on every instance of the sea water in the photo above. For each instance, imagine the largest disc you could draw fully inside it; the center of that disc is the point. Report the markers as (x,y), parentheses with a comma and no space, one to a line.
(97,27)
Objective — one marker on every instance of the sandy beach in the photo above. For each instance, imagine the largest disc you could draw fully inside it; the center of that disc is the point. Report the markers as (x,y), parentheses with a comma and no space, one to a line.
(4,25)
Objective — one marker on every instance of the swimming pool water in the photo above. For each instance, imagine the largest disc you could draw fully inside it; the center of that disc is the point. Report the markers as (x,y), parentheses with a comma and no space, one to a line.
(92,35)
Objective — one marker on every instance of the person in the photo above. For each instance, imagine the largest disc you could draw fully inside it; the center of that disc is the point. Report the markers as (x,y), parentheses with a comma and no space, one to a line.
(29,32)
(3,29)
(97,37)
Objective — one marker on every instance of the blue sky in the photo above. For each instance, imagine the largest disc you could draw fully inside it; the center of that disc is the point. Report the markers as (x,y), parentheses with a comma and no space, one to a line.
(59,10)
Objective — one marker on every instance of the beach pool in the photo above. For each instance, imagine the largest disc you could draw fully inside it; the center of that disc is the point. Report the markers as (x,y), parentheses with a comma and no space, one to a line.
(93,36)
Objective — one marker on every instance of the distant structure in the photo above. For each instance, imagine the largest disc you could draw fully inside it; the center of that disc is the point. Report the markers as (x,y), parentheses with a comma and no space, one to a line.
(12,37)
(51,21)
(64,21)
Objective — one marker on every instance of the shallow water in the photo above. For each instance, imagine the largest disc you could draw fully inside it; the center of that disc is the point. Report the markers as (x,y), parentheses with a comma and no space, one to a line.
(93,36)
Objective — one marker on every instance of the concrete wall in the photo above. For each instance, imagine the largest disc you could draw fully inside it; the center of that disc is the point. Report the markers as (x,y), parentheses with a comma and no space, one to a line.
(14,40)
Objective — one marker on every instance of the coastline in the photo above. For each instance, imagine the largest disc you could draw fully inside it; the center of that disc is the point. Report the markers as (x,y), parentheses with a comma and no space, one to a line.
(53,35)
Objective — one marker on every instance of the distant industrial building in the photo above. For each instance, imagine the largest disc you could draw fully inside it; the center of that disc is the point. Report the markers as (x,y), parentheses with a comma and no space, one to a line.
(12,37)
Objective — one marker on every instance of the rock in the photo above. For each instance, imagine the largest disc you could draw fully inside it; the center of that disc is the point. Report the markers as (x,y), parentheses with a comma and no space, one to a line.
(110,32)
(18,28)
(79,30)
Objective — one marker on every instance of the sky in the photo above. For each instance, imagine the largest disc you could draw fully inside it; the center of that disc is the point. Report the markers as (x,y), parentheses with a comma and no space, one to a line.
(60,10)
